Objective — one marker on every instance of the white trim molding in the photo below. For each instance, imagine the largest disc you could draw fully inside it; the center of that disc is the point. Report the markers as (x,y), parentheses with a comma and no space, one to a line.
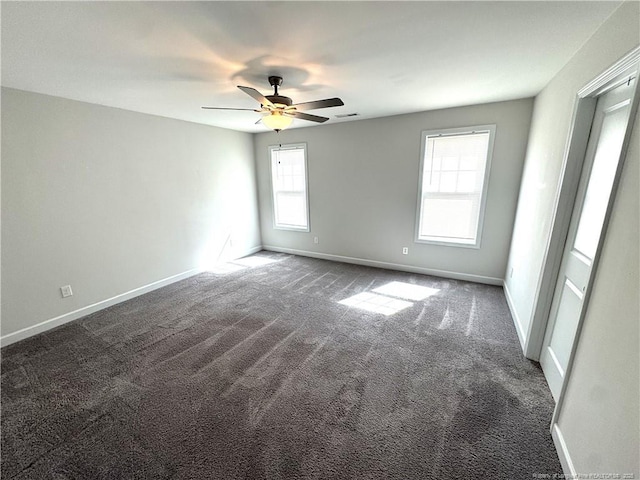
(27,332)
(595,86)
(251,251)
(41,327)
(516,319)
(389,266)
(563,452)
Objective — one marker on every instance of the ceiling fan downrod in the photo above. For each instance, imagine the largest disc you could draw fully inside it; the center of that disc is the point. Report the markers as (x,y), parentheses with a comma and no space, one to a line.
(275,82)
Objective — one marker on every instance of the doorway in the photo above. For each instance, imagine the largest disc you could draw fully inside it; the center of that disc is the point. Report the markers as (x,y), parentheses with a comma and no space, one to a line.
(596,190)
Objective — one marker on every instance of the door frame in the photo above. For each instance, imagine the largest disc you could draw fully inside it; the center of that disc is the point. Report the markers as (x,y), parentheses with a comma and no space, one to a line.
(574,153)
(577,271)
(575,150)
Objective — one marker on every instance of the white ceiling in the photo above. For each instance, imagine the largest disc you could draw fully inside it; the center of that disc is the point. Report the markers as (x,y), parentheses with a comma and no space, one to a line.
(381,58)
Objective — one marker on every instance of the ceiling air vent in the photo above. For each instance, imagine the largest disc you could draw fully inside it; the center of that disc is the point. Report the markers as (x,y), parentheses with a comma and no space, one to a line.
(345,115)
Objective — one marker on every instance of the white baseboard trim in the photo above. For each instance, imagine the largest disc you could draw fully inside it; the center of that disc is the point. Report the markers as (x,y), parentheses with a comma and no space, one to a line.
(27,332)
(84,311)
(563,453)
(516,319)
(251,251)
(389,266)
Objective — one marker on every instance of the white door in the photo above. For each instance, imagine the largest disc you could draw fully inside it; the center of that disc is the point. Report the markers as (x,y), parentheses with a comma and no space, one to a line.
(594,193)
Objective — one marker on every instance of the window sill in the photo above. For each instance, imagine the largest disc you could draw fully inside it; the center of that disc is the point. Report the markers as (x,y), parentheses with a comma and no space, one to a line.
(291,228)
(448,242)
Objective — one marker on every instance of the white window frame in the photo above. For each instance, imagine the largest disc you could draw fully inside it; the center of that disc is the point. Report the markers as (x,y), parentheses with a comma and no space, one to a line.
(447,241)
(292,146)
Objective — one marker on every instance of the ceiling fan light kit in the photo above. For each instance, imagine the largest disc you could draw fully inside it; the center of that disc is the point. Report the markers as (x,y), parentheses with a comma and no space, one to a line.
(277,121)
(280,110)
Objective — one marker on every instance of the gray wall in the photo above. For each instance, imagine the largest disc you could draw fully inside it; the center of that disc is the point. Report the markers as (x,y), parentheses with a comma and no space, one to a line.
(552,116)
(363,187)
(599,418)
(108,201)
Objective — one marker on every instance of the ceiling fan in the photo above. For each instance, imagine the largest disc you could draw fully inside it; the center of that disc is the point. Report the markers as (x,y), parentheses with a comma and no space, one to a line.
(280,110)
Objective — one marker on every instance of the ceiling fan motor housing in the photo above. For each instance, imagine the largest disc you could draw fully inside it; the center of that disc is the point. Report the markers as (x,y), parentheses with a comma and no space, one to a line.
(275,82)
(279,99)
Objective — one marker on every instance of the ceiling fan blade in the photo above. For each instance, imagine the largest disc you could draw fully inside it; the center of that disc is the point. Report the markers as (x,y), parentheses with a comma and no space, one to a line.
(256,95)
(225,108)
(326,103)
(306,116)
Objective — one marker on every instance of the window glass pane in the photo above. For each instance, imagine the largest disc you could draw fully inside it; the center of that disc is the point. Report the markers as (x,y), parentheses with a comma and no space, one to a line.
(298,183)
(288,169)
(450,218)
(432,182)
(437,164)
(291,209)
(453,178)
(469,162)
(467,182)
(448,181)
(449,164)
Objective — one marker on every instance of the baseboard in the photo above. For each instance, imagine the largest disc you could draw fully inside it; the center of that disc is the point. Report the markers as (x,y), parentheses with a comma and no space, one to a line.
(251,251)
(516,319)
(389,266)
(563,453)
(84,311)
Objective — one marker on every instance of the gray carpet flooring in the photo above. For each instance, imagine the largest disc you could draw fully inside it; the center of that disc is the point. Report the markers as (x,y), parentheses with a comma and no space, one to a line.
(295,369)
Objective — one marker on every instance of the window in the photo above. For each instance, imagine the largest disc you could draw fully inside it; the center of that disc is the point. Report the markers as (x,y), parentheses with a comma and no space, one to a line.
(289,182)
(454,173)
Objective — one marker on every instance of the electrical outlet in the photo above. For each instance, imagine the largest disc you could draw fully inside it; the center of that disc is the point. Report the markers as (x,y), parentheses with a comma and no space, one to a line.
(405,250)
(315,240)
(66,291)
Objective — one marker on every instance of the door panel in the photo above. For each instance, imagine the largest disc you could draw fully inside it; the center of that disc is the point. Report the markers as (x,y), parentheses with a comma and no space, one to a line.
(570,301)
(594,192)
(597,195)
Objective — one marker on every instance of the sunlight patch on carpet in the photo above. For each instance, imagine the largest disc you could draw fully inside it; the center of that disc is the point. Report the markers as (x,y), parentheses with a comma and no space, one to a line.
(407,291)
(376,303)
